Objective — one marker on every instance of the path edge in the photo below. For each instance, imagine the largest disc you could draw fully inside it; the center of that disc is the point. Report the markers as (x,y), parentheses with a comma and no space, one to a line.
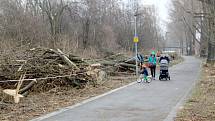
(173,113)
(81,103)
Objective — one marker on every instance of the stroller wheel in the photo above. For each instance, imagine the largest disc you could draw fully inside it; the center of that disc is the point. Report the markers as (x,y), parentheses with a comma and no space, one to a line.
(169,77)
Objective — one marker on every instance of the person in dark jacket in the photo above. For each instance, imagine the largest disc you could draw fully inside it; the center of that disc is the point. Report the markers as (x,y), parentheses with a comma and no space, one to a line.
(140,59)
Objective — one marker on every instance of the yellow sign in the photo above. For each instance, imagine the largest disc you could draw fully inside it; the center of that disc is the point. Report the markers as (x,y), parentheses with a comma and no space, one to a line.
(136,39)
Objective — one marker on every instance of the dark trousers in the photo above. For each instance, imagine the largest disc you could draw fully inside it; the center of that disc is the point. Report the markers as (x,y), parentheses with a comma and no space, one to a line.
(153,69)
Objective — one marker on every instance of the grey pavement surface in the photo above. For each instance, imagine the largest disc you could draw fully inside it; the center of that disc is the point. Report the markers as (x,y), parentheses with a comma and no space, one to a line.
(138,102)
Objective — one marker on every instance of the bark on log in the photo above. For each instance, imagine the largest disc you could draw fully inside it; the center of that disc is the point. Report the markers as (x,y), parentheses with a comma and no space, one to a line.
(112,56)
(65,58)
(26,88)
(127,65)
(77,59)
(109,63)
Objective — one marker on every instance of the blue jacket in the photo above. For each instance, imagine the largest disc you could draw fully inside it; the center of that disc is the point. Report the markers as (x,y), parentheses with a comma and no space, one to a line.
(144,72)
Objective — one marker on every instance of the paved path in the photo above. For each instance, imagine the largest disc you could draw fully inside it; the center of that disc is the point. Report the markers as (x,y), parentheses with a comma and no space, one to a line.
(156,101)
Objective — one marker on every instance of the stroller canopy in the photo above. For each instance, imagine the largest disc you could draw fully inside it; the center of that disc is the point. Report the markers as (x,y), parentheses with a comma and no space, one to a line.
(164,61)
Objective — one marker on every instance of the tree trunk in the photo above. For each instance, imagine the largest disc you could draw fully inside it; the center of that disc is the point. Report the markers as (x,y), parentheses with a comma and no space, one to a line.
(211,42)
(86,28)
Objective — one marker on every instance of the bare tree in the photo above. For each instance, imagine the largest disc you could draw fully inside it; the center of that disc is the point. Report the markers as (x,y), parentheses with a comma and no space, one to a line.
(53,10)
(76,25)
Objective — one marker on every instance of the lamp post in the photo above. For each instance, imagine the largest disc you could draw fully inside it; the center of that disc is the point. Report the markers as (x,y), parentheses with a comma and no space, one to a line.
(136,40)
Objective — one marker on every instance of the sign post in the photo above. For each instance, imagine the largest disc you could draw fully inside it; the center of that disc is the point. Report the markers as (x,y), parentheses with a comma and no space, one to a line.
(136,40)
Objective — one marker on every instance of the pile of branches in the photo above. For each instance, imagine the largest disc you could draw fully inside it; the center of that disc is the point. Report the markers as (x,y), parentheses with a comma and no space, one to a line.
(44,69)
(116,64)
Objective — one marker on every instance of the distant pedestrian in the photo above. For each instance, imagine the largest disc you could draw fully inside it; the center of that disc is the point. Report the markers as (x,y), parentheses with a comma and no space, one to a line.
(152,64)
(158,53)
(140,59)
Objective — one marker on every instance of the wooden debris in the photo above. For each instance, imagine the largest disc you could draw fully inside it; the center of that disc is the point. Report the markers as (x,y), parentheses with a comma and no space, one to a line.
(48,68)
(15,92)
(27,87)
(96,65)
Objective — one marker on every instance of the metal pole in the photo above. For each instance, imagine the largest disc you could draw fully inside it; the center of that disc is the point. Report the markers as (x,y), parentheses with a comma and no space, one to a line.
(135,34)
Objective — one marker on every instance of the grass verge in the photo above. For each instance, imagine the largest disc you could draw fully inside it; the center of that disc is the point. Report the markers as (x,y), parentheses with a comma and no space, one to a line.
(201,105)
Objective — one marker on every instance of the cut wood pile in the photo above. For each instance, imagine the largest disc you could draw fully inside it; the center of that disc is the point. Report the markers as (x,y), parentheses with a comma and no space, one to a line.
(42,69)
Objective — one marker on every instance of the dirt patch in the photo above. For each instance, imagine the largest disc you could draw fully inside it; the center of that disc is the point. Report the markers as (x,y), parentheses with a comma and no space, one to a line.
(201,106)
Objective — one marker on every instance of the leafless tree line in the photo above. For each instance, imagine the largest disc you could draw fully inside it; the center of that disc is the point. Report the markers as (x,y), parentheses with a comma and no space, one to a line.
(75,25)
(208,27)
(190,17)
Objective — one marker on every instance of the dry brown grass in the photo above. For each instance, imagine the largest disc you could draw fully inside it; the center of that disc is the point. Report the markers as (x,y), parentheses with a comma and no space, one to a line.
(201,106)
(177,61)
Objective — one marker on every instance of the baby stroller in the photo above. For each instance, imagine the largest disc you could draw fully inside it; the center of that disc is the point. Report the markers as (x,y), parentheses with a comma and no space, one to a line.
(164,71)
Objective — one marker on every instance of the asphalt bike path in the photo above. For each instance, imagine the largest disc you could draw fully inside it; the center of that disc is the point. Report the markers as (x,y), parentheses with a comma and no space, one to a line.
(155,101)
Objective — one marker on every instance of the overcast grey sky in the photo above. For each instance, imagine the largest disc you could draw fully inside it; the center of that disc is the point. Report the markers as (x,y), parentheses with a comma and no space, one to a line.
(163,7)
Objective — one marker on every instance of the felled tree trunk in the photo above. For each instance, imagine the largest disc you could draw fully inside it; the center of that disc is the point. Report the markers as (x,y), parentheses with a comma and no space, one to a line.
(26,88)
(65,58)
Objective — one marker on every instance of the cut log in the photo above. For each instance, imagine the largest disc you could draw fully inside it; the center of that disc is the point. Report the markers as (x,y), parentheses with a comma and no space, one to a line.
(65,58)
(109,63)
(15,92)
(26,88)
(127,65)
(77,59)
(11,92)
(102,76)
(112,56)
(96,65)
